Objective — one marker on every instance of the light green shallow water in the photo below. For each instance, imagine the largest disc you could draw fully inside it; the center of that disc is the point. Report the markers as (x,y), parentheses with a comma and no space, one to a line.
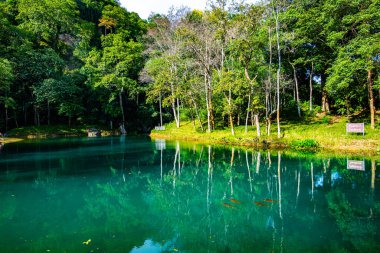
(137,195)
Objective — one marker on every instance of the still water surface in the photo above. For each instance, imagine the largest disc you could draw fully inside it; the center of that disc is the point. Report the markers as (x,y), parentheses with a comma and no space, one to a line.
(141,195)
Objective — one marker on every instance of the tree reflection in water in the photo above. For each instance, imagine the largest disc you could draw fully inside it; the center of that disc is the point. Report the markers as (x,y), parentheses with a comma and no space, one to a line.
(172,196)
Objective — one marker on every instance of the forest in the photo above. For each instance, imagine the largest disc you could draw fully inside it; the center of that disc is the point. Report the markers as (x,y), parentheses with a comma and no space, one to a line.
(86,62)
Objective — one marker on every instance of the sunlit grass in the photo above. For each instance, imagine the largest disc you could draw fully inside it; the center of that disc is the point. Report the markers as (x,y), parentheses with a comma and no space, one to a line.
(330,136)
(9,140)
(45,131)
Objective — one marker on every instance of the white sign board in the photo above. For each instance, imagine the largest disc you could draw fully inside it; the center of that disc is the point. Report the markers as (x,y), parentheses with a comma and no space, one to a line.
(355,128)
(355,165)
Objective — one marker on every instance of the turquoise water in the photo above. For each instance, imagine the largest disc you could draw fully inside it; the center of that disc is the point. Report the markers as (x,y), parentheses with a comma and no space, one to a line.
(141,195)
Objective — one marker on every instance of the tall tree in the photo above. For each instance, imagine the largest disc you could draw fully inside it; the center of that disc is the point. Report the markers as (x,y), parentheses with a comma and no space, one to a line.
(356,33)
(116,68)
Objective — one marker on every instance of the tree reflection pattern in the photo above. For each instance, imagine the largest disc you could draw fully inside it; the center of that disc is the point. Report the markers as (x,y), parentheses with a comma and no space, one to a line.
(219,199)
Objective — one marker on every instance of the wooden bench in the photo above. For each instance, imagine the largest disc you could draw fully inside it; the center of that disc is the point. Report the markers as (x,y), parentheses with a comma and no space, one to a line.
(355,128)
(159,128)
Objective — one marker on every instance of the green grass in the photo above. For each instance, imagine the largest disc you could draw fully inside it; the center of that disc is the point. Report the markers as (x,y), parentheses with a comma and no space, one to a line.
(52,131)
(327,135)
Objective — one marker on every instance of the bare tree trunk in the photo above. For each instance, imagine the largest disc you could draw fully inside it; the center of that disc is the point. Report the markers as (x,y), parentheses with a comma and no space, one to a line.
(212,118)
(160,104)
(196,112)
(296,90)
(311,86)
(173,100)
(325,99)
(230,112)
(252,118)
(48,107)
(178,114)
(257,122)
(278,71)
(122,108)
(247,117)
(325,102)
(207,104)
(371,98)
(232,124)
(6,118)
(278,102)
(268,87)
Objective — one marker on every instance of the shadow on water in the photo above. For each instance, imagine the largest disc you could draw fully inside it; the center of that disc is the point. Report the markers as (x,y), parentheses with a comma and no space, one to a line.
(136,195)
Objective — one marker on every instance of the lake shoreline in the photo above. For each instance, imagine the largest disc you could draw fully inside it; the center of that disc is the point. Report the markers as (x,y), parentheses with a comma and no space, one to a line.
(328,139)
(7,140)
(333,142)
(272,146)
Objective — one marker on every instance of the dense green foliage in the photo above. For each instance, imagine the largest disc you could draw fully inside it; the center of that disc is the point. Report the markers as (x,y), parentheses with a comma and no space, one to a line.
(93,62)
(67,62)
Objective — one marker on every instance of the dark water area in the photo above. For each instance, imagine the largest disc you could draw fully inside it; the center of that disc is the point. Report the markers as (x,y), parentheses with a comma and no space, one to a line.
(136,195)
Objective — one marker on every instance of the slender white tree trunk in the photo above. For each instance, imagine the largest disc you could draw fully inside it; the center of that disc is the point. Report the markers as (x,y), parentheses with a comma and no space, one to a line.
(160,103)
(268,87)
(278,71)
(371,98)
(297,93)
(311,86)
(230,112)
(247,117)
(257,122)
(207,104)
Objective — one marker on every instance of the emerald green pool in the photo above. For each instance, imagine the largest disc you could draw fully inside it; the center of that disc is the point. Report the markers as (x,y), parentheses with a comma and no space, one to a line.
(140,195)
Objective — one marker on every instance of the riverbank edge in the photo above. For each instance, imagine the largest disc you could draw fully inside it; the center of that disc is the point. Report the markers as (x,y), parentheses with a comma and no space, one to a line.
(247,142)
(7,140)
(272,145)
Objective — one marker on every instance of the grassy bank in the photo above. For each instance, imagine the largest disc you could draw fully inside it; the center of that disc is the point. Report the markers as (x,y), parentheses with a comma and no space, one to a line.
(52,131)
(7,140)
(329,136)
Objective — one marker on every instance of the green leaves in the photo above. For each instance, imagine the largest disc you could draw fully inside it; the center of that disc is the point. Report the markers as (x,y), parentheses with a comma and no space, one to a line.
(48,19)
(6,75)
(119,60)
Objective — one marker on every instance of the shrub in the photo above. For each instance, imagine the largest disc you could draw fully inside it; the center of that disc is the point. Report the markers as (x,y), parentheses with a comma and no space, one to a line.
(326,120)
(305,144)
